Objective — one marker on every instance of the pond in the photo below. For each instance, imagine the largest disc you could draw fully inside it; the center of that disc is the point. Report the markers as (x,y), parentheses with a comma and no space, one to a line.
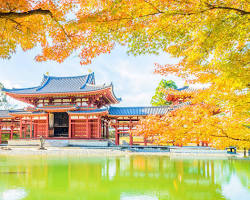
(123,178)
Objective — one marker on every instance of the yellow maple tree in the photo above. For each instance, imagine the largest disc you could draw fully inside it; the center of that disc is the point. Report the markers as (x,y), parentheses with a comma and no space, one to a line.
(210,39)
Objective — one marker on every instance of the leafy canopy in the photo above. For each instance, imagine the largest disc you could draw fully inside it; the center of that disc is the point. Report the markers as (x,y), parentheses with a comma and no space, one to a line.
(159,98)
(210,38)
(195,122)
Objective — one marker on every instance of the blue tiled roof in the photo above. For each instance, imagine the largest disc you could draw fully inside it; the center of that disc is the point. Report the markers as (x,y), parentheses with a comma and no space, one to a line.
(128,111)
(89,111)
(125,111)
(4,114)
(51,84)
(112,111)
(183,88)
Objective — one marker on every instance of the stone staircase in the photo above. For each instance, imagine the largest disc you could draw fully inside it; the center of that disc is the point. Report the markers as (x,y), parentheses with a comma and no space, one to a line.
(59,143)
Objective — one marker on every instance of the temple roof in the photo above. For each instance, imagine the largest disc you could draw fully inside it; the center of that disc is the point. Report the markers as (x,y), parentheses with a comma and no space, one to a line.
(147,110)
(183,88)
(111,111)
(132,111)
(72,84)
(4,114)
(127,111)
(77,86)
(52,84)
(135,111)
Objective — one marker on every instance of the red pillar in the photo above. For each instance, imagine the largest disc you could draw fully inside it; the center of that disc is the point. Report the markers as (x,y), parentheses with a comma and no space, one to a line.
(11,132)
(0,133)
(35,125)
(130,134)
(100,126)
(70,134)
(31,127)
(87,128)
(107,130)
(21,128)
(117,142)
(145,141)
(25,128)
(47,127)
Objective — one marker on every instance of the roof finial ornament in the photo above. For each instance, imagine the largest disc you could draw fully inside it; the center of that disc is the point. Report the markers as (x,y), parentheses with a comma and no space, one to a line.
(89,71)
(47,73)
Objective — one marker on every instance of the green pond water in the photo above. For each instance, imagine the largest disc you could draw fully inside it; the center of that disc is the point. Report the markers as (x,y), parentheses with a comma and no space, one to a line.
(125,178)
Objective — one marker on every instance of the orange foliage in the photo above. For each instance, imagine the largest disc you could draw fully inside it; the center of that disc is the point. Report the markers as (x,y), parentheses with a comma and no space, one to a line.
(193,124)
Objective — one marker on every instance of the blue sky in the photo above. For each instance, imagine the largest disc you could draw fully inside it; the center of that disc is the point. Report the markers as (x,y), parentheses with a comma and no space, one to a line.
(132,77)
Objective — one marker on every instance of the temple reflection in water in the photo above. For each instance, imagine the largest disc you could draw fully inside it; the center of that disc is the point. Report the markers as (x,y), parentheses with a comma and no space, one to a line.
(135,177)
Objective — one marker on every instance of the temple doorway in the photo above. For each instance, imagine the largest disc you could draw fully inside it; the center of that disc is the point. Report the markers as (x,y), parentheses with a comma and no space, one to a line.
(61,124)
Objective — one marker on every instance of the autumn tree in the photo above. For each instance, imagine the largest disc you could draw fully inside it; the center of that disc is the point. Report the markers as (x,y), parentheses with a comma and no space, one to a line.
(49,24)
(159,98)
(210,39)
(192,122)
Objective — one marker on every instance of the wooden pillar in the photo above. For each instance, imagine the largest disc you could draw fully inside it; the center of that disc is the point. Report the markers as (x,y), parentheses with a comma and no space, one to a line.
(99,126)
(11,129)
(103,129)
(31,127)
(11,132)
(25,128)
(116,136)
(87,128)
(145,141)
(130,134)
(21,128)
(107,130)
(70,132)
(47,127)
(0,133)
(35,127)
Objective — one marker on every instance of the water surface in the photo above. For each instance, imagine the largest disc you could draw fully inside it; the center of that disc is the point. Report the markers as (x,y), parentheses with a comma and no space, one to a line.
(123,178)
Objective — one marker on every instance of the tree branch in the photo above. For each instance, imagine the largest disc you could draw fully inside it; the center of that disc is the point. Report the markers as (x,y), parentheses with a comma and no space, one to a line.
(153,6)
(243,12)
(25,14)
(158,12)
(226,136)
(10,15)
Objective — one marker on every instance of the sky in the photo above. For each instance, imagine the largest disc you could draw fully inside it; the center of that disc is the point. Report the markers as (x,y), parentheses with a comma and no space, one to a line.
(132,77)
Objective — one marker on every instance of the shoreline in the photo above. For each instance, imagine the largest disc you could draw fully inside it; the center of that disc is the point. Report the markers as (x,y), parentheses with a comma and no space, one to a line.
(91,152)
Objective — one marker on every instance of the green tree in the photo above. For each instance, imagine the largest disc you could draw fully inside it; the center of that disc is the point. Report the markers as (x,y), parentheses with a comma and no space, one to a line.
(4,104)
(159,98)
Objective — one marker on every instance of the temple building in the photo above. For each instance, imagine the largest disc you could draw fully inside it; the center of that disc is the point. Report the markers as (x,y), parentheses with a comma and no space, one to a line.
(71,108)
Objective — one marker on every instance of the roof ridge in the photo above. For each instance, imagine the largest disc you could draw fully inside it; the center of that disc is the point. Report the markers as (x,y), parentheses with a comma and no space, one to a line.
(61,77)
(182,88)
(91,75)
(44,84)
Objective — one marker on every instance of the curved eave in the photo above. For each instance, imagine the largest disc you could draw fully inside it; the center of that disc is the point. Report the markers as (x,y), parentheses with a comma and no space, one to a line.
(57,109)
(28,114)
(92,92)
(17,89)
(108,89)
(144,115)
(10,117)
(115,99)
(89,113)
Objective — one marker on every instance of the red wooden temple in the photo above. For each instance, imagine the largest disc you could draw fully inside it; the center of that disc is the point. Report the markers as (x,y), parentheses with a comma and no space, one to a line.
(71,108)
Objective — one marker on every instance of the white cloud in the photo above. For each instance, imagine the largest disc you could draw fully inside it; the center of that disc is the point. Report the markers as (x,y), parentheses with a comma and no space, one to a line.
(132,77)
